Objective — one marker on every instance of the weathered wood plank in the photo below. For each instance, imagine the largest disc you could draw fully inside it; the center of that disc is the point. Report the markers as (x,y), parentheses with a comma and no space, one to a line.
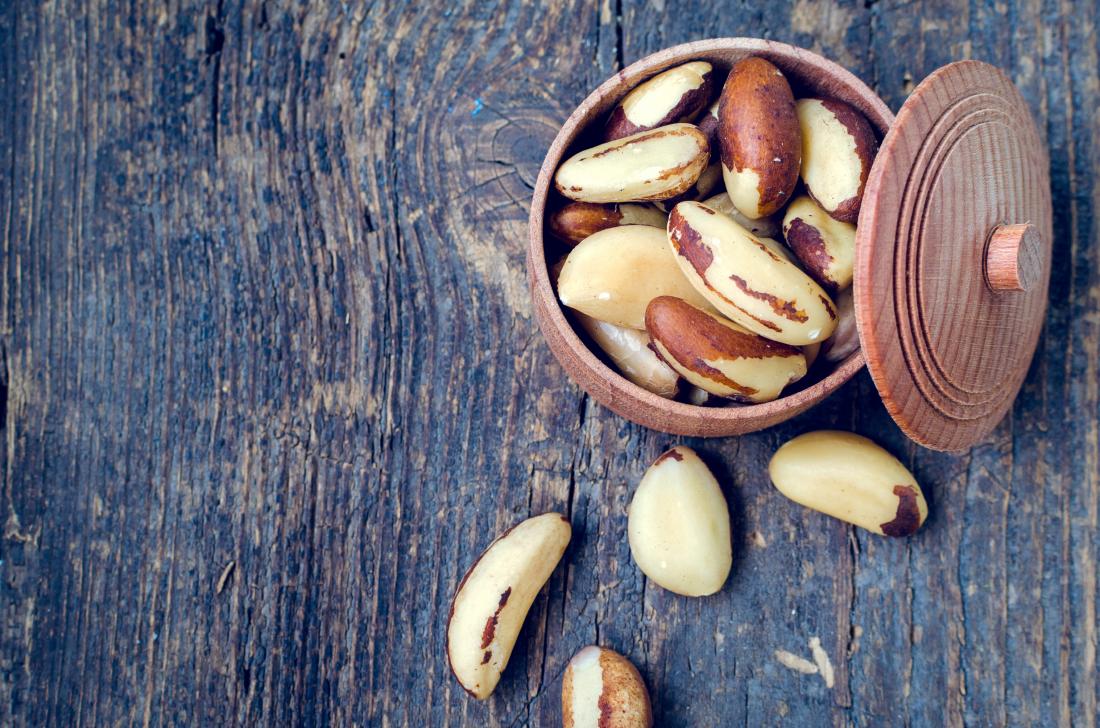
(270,382)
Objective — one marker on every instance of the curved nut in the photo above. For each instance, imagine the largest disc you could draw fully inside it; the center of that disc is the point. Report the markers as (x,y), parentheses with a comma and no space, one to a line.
(577,220)
(759,136)
(719,356)
(838,149)
(493,598)
(745,280)
(851,478)
(825,247)
(629,351)
(675,95)
(613,275)
(679,526)
(602,689)
(651,165)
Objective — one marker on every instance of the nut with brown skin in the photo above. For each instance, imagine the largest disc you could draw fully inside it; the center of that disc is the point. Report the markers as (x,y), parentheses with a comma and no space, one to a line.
(747,281)
(492,600)
(825,247)
(759,137)
(851,478)
(671,96)
(679,527)
(613,275)
(629,350)
(718,355)
(575,221)
(602,689)
(650,165)
(838,149)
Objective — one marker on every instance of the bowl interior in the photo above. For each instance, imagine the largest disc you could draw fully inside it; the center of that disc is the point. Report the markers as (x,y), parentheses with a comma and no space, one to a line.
(809,75)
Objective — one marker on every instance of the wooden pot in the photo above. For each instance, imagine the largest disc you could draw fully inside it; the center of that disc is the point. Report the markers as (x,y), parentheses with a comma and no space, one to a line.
(956,213)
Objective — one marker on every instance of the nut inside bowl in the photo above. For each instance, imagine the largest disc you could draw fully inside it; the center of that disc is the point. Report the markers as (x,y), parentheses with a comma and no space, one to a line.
(809,74)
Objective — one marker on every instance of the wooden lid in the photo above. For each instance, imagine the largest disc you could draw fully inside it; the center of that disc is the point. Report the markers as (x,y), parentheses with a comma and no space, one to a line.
(953,256)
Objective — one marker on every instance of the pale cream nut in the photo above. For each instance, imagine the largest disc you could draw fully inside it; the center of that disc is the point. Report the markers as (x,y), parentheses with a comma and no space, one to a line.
(650,165)
(613,275)
(849,477)
(679,527)
(492,600)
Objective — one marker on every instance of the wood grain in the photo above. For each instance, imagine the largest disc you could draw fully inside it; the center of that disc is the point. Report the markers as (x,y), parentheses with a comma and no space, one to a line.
(1015,259)
(270,381)
(946,350)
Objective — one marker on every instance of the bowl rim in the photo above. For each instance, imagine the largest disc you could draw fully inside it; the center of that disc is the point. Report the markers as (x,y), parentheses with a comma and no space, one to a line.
(717,420)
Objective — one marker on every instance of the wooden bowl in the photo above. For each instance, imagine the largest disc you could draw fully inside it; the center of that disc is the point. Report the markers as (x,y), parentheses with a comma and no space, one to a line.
(809,75)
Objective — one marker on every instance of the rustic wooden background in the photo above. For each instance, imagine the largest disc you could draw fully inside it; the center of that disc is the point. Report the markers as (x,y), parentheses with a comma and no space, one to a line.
(269,381)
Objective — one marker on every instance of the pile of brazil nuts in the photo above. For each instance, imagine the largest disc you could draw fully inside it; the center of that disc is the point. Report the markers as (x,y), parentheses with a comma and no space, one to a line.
(675,269)
(678,528)
(712,241)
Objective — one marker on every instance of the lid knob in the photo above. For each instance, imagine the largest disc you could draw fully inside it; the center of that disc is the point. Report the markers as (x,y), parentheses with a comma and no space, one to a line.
(1013,258)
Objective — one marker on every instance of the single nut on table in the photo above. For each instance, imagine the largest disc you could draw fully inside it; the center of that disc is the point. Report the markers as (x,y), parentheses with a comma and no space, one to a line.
(651,165)
(845,339)
(838,148)
(825,247)
(759,137)
(629,351)
(678,525)
(851,478)
(718,355)
(745,280)
(767,227)
(602,689)
(575,221)
(678,94)
(492,600)
(613,275)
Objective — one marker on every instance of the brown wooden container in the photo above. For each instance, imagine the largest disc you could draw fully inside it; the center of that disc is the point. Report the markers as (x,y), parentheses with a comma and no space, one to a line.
(952,252)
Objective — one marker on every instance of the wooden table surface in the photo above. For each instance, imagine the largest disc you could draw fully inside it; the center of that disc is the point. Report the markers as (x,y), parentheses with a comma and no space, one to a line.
(270,381)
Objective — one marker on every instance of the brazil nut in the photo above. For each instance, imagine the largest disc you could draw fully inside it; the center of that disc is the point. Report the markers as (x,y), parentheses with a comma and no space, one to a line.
(759,137)
(838,148)
(613,275)
(745,280)
(678,94)
(650,165)
(719,356)
(825,247)
(575,221)
(849,477)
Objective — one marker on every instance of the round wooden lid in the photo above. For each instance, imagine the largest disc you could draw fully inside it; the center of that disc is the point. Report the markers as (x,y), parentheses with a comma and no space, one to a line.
(953,256)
